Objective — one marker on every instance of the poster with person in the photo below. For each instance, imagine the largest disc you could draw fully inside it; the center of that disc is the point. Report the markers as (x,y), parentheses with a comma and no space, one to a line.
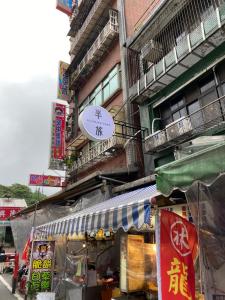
(42,264)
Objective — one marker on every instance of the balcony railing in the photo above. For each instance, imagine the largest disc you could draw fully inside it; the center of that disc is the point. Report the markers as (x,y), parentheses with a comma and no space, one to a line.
(98,48)
(207,34)
(209,118)
(99,152)
(89,24)
(80,11)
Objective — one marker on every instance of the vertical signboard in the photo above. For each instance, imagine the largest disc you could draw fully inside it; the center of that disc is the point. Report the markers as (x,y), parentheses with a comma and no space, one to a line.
(58,137)
(177,242)
(63,82)
(59,115)
(42,263)
(65,6)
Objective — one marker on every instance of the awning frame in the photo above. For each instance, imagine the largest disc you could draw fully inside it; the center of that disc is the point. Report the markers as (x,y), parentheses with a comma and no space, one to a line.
(129,210)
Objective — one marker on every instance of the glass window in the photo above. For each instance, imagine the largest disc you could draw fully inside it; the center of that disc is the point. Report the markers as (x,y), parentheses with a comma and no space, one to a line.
(177,104)
(113,72)
(195,113)
(174,107)
(113,85)
(104,90)
(98,98)
(207,83)
(193,107)
(179,114)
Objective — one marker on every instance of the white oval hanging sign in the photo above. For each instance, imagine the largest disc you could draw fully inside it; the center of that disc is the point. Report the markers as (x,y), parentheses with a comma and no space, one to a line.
(96,123)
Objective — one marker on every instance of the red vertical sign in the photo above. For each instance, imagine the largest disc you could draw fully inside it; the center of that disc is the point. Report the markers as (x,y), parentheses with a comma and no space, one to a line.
(59,122)
(178,248)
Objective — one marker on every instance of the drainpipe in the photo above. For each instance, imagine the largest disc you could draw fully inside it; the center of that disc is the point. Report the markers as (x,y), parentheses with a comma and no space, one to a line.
(130,151)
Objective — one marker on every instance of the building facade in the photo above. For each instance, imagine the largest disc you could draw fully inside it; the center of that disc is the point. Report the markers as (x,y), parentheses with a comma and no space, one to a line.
(157,66)
(98,76)
(179,86)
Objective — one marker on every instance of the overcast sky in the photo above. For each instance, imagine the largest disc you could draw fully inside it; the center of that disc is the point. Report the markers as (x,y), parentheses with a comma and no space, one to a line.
(33,40)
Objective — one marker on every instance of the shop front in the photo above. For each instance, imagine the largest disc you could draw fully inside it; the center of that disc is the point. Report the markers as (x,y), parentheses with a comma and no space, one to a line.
(8,208)
(202,177)
(107,251)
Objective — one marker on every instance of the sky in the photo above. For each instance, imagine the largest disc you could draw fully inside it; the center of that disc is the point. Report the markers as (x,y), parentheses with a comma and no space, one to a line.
(33,39)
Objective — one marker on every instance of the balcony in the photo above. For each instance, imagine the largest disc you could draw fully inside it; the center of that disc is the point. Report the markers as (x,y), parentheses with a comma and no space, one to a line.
(207,33)
(78,141)
(80,11)
(99,152)
(97,50)
(90,23)
(209,119)
(70,127)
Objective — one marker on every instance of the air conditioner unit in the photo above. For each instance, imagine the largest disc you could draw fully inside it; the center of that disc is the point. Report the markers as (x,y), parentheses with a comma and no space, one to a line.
(154,140)
(152,51)
(178,128)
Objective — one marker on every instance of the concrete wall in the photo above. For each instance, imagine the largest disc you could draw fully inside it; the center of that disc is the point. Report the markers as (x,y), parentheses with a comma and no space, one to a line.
(136,12)
(111,165)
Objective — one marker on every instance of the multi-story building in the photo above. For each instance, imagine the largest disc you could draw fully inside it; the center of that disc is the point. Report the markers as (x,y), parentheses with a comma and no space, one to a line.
(178,76)
(158,67)
(97,74)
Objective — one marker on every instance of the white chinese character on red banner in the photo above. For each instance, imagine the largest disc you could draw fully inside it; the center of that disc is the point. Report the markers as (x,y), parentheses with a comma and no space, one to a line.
(12,212)
(2,214)
(179,238)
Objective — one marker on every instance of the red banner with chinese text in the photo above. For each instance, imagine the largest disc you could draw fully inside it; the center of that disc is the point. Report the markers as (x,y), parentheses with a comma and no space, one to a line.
(59,123)
(7,212)
(178,249)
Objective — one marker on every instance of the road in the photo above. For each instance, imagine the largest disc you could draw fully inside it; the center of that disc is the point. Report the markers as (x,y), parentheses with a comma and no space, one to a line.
(5,290)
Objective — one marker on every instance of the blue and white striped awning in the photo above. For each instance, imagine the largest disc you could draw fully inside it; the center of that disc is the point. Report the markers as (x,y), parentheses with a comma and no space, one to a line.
(125,211)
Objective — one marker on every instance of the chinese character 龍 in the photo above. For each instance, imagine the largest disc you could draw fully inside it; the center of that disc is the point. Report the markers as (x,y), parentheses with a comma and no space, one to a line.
(178,279)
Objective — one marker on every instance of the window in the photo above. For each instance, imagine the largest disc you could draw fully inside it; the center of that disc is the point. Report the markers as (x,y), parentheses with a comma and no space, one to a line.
(104,89)
(173,111)
(179,114)
(207,83)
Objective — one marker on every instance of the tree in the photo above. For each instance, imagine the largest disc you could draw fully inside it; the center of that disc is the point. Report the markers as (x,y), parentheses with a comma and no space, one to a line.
(21,191)
(5,191)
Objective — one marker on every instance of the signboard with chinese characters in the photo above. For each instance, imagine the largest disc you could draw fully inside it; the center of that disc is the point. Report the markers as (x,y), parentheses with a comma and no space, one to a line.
(63,82)
(177,242)
(7,212)
(96,123)
(65,6)
(42,263)
(58,132)
(45,180)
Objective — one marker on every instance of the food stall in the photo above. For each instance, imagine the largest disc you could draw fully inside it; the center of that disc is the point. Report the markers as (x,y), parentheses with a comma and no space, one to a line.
(110,250)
